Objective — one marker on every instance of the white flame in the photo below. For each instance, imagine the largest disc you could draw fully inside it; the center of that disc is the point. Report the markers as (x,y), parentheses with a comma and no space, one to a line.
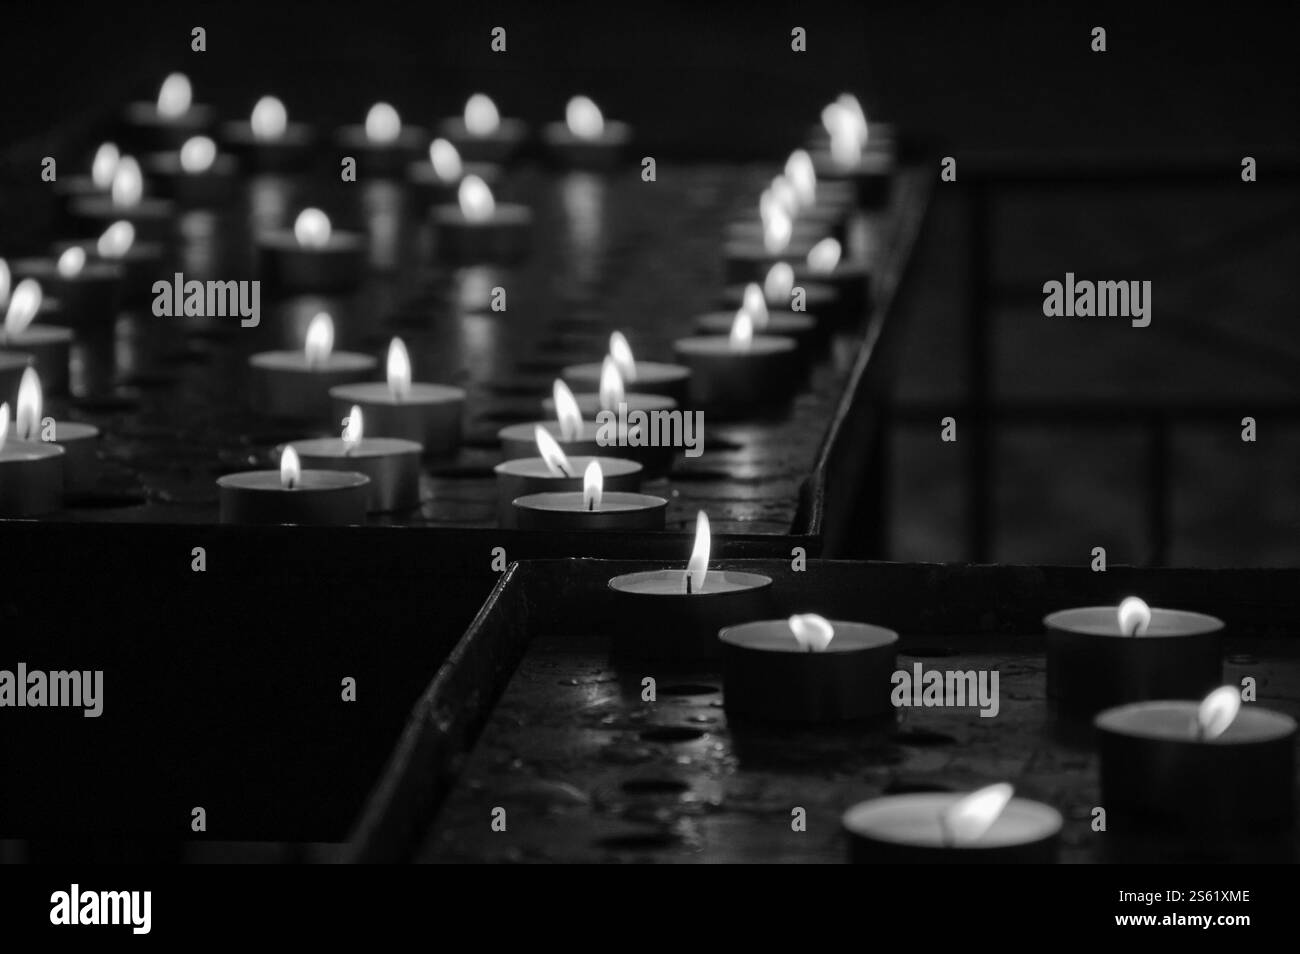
(290,469)
(566,411)
(269,119)
(198,154)
(174,96)
(27,419)
(1134,617)
(779,283)
(850,103)
(824,256)
(481,116)
(968,819)
(71,262)
(812,632)
(583,118)
(354,429)
(784,195)
(24,303)
(312,228)
(621,352)
(476,202)
(802,177)
(128,183)
(755,305)
(1216,712)
(611,384)
(399,370)
(104,165)
(320,340)
(552,454)
(383,124)
(777,229)
(116,240)
(742,331)
(5,279)
(4,424)
(593,486)
(697,568)
(445,161)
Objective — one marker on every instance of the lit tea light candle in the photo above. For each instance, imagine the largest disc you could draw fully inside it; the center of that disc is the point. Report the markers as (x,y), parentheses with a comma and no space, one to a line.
(748,257)
(847,158)
(586,139)
(875,137)
(1210,766)
(830,200)
(808,223)
(169,120)
(125,200)
(391,463)
(677,614)
(383,145)
(47,346)
(441,172)
(197,174)
(138,262)
(268,141)
(577,437)
(800,326)
(592,508)
(613,394)
(807,669)
(552,471)
(296,384)
(313,256)
(478,228)
(740,371)
(481,134)
(79,441)
(429,414)
(782,293)
(850,279)
(987,826)
(100,177)
(293,495)
(87,289)
(31,473)
(649,377)
(1101,656)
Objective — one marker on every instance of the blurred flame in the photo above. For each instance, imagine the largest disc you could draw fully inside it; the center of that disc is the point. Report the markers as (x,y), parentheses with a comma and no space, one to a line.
(802,177)
(583,118)
(24,303)
(968,819)
(1217,711)
(755,305)
(383,124)
(290,469)
(269,119)
(399,370)
(197,154)
(445,161)
(174,96)
(611,384)
(824,256)
(4,424)
(27,419)
(812,632)
(354,430)
(5,279)
(476,202)
(128,183)
(312,228)
(481,116)
(779,283)
(104,165)
(849,103)
(621,352)
(566,411)
(553,456)
(777,229)
(593,486)
(697,568)
(784,195)
(319,343)
(116,240)
(742,331)
(1134,617)
(71,262)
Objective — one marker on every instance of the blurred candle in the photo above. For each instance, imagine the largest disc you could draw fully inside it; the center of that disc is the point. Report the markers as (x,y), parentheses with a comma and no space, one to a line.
(296,384)
(313,255)
(383,145)
(586,139)
(267,141)
(478,228)
(47,346)
(481,134)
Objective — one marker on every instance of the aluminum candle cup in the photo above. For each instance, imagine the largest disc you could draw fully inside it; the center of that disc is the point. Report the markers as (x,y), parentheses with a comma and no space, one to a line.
(818,298)
(337,265)
(1155,772)
(520,440)
(391,464)
(850,281)
(430,414)
(800,326)
(284,384)
(149,129)
(504,237)
(151,217)
(335,498)
(767,676)
(871,176)
(618,510)
(497,147)
(80,443)
(748,259)
(89,299)
(288,151)
(658,619)
(735,381)
(423,177)
(530,475)
(599,153)
(652,377)
(386,158)
(48,347)
(1092,666)
(31,478)
(908,829)
(215,185)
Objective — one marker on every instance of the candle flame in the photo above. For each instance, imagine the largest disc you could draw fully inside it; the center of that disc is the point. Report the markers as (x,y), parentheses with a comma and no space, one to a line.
(802,177)
(566,411)
(128,184)
(312,228)
(553,456)
(481,116)
(968,819)
(697,568)
(784,195)
(850,103)
(197,154)
(399,370)
(269,119)
(104,165)
(1216,712)
(812,632)
(27,419)
(621,352)
(445,161)
(319,342)
(476,202)
(593,486)
(742,331)
(846,125)
(1134,617)
(824,256)
(755,305)
(116,240)
(5,279)
(4,424)
(611,385)
(24,303)
(71,262)
(779,283)
(175,96)
(777,229)
(354,428)
(290,468)
(584,118)
(383,124)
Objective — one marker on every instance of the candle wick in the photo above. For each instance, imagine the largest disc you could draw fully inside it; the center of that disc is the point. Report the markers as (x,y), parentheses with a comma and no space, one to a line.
(688,582)
(564,468)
